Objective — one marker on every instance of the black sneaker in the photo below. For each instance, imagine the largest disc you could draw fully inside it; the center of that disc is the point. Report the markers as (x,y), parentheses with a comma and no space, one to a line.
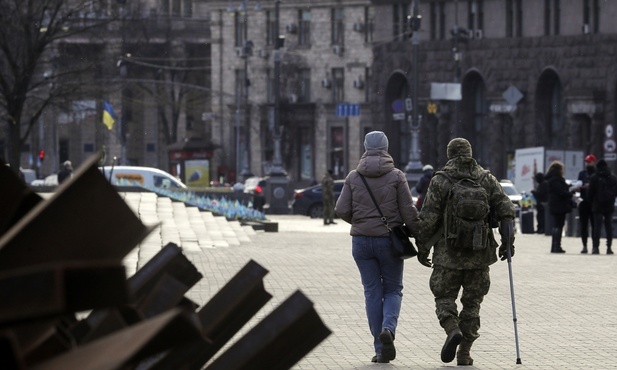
(387,339)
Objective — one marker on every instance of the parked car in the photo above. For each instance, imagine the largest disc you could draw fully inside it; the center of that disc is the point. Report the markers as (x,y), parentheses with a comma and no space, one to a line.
(147,176)
(309,201)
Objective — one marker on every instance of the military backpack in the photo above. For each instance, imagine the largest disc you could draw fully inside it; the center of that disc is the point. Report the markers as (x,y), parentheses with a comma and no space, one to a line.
(466,219)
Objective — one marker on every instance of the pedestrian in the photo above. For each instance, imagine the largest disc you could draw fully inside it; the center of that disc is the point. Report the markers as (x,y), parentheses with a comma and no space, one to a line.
(456,222)
(540,193)
(560,202)
(422,185)
(380,271)
(327,194)
(584,206)
(601,193)
(66,172)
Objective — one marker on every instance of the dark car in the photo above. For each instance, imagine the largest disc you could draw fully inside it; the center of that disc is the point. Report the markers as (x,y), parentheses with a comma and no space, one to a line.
(309,201)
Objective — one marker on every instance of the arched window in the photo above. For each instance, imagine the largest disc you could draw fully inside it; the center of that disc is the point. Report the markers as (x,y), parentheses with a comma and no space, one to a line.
(550,111)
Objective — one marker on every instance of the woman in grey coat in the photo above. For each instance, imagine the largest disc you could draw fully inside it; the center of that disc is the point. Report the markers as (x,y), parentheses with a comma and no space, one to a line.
(380,271)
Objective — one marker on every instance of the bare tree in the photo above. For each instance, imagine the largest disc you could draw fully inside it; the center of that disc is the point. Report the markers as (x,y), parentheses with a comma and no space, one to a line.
(30,31)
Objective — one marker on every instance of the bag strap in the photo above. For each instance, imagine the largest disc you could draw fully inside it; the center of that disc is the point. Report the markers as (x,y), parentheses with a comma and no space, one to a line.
(383,218)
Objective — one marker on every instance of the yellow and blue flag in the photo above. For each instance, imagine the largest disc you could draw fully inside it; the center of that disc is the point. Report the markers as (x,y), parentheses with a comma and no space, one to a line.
(109,117)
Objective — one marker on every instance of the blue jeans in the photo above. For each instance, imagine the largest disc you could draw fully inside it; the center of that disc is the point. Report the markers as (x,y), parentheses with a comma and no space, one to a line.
(382,278)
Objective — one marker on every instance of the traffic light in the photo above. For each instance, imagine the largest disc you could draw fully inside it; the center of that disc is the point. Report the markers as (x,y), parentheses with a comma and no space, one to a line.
(41,155)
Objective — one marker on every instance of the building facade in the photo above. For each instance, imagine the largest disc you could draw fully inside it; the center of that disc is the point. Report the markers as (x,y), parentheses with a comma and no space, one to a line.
(325,105)
(150,61)
(532,73)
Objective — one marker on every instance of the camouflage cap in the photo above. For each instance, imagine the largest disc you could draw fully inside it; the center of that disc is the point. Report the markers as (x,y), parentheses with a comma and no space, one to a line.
(459,147)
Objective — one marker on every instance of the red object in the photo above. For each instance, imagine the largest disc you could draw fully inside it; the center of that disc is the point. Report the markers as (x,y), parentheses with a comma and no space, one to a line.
(41,154)
(258,189)
(590,158)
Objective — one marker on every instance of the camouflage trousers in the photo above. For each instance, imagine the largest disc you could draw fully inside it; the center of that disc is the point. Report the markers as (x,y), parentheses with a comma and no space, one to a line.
(445,285)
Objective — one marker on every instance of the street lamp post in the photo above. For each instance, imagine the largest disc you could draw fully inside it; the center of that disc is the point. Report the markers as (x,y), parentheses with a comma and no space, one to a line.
(247,50)
(413,170)
(277,181)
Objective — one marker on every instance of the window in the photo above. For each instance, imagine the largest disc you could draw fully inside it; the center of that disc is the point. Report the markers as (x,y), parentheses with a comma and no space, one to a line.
(475,14)
(304,25)
(240,26)
(337,150)
(514,18)
(400,11)
(591,16)
(304,86)
(438,21)
(338,85)
(241,86)
(552,14)
(338,27)
(367,84)
(369,21)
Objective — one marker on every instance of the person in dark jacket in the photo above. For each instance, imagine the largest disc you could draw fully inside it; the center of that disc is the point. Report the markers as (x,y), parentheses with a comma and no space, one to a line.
(327,194)
(559,202)
(601,193)
(66,172)
(457,265)
(585,215)
(541,196)
(422,185)
(381,272)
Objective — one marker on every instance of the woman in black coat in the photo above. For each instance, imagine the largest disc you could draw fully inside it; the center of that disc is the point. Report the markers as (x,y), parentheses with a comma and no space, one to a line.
(559,202)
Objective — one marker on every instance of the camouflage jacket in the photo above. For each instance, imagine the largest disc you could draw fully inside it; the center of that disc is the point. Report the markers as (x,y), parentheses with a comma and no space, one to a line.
(432,216)
(327,188)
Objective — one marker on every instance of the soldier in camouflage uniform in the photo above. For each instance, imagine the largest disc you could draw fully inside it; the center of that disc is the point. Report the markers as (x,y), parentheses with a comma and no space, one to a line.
(460,267)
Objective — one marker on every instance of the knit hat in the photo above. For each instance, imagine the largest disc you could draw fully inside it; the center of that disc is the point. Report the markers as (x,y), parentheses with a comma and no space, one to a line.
(602,165)
(459,147)
(590,158)
(427,167)
(376,140)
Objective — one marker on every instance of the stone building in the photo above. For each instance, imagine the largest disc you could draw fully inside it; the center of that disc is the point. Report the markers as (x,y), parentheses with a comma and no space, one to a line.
(150,61)
(324,85)
(532,73)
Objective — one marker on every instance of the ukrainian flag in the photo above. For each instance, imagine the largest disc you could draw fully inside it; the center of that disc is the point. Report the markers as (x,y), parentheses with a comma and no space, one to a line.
(109,118)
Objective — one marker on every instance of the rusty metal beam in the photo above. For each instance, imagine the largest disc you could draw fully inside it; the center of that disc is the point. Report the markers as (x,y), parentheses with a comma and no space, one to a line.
(126,348)
(53,290)
(221,318)
(86,219)
(279,341)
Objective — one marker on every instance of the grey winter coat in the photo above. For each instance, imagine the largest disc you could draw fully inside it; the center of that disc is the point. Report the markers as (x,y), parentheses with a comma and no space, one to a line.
(390,189)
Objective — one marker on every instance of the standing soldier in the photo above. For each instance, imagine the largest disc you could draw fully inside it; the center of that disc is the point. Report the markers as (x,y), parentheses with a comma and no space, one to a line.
(462,202)
(327,193)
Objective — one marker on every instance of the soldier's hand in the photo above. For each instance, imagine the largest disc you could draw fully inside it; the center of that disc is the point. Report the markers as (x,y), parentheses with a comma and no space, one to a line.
(423,259)
(503,252)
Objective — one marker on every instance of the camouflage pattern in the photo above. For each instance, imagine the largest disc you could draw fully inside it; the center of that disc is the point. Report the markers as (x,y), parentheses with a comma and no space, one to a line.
(445,285)
(434,206)
(327,193)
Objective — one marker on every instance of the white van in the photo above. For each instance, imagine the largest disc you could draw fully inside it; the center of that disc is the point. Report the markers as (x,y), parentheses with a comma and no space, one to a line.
(145,176)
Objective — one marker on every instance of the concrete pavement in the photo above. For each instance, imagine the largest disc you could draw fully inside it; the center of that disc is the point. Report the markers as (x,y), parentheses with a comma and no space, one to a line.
(565,303)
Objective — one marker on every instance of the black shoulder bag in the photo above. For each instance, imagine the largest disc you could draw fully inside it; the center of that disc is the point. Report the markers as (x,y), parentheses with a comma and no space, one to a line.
(402,247)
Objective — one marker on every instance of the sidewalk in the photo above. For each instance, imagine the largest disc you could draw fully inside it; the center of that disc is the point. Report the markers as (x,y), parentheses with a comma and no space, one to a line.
(565,303)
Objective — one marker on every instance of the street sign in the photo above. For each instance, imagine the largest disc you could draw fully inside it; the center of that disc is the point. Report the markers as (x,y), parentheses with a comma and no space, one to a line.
(610,145)
(398,116)
(610,156)
(347,110)
(512,95)
(408,105)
